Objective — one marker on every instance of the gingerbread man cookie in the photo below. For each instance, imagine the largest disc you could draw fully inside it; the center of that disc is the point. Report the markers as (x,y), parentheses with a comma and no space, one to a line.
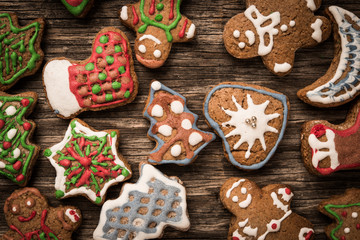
(158,24)
(274,31)
(30,217)
(245,200)
(79,8)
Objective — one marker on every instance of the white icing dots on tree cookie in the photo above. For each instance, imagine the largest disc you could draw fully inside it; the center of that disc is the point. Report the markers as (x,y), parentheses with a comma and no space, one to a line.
(195,138)
(156,85)
(165,130)
(157,111)
(186,124)
(177,107)
(176,150)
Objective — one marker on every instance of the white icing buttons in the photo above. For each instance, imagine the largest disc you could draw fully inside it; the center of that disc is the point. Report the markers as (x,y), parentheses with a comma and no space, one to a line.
(292,23)
(284,28)
(236,34)
(195,138)
(142,48)
(186,124)
(354,215)
(347,230)
(2,165)
(156,85)
(177,107)
(157,111)
(16,153)
(11,110)
(165,130)
(176,150)
(11,133)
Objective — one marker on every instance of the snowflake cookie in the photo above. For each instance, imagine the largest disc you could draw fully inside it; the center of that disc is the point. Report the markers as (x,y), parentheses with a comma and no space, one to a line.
(145,208)
(78,8)
(17,153)
(274,30)
(250,119)
(173,127)
(245,200)
(87,162)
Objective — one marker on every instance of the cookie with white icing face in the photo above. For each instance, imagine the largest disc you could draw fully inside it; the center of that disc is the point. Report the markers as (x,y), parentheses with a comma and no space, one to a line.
(262,213)
(274,31)
(158,24)
(79,8)
(344,210)
(250,120)
(341,83)
(327,148)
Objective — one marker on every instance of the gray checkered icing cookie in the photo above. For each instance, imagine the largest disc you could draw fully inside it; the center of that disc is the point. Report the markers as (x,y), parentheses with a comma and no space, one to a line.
(145,208)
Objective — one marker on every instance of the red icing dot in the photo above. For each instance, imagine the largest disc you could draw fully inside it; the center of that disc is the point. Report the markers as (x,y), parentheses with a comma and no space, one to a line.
(76,218)
(343,238)
(17,165)
(344,214)
(318,130)
(2,123)
(27,126)
(72,212)
(287,191)
(274,226)
(6,145)
(20,178)
(358,226)
(25,102)
(74,3)
(235,238)
(65,163)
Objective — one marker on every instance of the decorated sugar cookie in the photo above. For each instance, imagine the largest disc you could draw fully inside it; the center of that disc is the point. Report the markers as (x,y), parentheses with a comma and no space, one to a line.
(250,120)
(274,31)
(173,127)
(327,148)
(245,200)
(345,212)
(87,162)
(78,8)
(29,216)
(105,80)
(340,84)
(158,24)
(17,153)
(145,208)
(20,52)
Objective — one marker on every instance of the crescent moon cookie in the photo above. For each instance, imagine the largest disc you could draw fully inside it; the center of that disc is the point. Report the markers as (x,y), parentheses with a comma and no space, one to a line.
(87,163)
(245,200)
(17,153)
(78,8)
(173,127)
(29,216)
(341,83)
(274,30)
(158,24)
(345,211)
(144,209)
(327,148)
(20,52)
(105,80)
(250,120)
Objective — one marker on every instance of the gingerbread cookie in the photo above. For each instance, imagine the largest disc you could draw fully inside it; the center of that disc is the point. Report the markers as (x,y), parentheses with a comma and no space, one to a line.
(78,8)
(327,148)
(173,127)
(17,153)
(340,84)
(274,31)
(30,217)
(345,211)
(105,80)
(245,200)
(87,163)
(250,120)
(158,24)
(145,208)
(20,52)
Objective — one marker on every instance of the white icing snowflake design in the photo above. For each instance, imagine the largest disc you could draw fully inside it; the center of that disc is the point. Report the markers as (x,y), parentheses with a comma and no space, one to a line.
(250,123)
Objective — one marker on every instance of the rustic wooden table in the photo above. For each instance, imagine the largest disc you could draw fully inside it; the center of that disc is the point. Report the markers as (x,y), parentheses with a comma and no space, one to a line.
(191,69)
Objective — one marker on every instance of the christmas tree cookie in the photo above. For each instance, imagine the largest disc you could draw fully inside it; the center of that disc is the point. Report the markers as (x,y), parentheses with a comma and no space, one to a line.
(158,24)
(79,8)
(105,80)
(17,153)
(20,52)
(87,162)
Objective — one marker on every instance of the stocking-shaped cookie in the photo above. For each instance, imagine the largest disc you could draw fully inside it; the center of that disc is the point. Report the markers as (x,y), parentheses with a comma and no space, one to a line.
(105,80)
(30,217)
(158,24)
(274,30)
(78,8)
(327,148)
(20,52)
(262,213)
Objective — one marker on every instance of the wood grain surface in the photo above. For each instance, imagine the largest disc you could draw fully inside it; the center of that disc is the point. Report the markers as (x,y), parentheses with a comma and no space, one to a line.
(191,69)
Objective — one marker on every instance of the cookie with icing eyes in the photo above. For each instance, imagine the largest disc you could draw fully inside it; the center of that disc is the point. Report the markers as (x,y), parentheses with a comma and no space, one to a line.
(262,213)
(29,216)
(274,30)
(78,8)
(158,24)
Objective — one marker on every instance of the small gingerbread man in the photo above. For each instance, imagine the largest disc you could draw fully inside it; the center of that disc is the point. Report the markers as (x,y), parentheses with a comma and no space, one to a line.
(158,24)
(274,30)
(29,216)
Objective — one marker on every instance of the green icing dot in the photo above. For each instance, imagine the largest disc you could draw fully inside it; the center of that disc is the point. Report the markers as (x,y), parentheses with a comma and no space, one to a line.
(116,85)
(125,172)
(159,17)
(160,6)
(98,200)
(59,194)
(47,153)
(108,97)
(113,134)
(118,49)
(89,66)
(99,49)
(102,76)
(96,89)
(110,59)
(127,94)
(104,39)
(122,70)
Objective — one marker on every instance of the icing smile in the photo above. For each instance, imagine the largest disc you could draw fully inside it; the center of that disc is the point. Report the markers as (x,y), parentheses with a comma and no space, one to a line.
(150,63)
(23,219)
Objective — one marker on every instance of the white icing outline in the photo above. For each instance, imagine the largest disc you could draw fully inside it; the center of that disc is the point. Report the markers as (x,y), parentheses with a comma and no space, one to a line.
(191,32)
(311,4)
(282,67)
(71,217)
(303,231)
(124,13)
(285,196)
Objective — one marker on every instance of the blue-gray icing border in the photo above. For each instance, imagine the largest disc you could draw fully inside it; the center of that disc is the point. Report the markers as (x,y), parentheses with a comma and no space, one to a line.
(216,126)
(160,142)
